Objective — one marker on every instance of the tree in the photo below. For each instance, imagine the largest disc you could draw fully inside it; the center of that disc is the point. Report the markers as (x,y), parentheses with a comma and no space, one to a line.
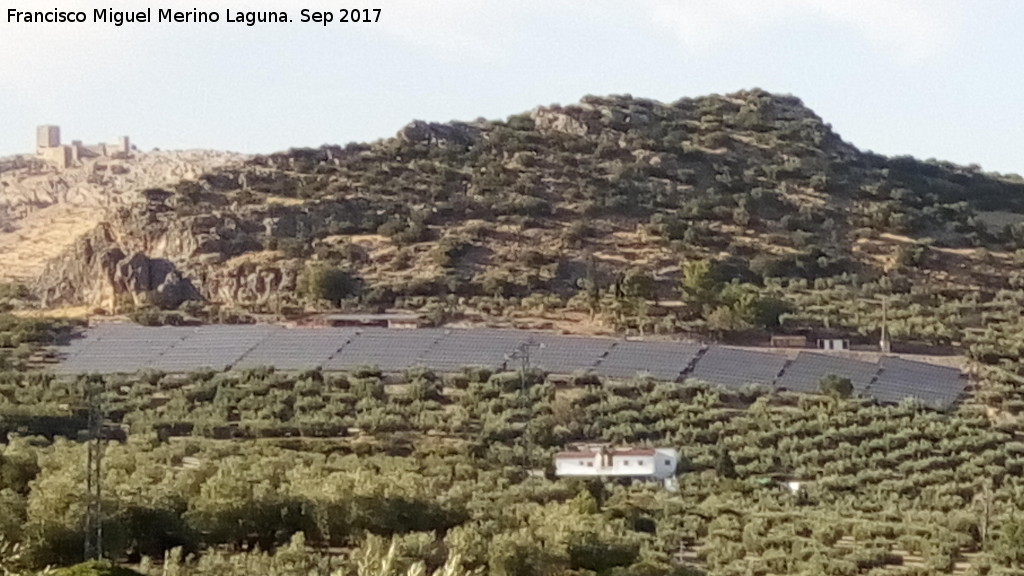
(638,283)
(516,554)
(724,465)
(727,319)
(699,286)
(1009,548)
(329,283)
(837,387)
(589,551)
(372,559)
(911,255)
(765,312)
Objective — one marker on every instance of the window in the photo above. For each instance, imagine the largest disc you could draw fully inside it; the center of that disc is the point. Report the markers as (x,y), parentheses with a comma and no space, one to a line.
(582,462)
(625,462)
(668,462)
(591,464)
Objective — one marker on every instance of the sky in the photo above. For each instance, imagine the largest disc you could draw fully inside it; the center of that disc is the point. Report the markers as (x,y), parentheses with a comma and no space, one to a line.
(929,78)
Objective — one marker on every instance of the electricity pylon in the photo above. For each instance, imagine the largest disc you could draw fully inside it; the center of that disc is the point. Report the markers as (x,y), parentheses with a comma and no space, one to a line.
(94,467)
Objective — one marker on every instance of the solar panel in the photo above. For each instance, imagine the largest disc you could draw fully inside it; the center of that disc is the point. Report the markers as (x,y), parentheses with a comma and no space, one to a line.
(115,348)
(387,348)
(804,374)
(297,348)
(121,348)
(662,360)
(482,347)
(736,368)
(935,386)
(217,347)
(568,354)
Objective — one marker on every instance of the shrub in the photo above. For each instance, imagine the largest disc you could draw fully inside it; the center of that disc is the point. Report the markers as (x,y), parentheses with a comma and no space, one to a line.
(837,387)
(329,283)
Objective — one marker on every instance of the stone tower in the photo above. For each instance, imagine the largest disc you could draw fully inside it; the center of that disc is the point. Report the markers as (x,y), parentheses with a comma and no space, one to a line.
(47,136)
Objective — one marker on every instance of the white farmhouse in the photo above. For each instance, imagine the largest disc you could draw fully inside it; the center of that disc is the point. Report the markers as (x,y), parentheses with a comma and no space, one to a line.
(643,464)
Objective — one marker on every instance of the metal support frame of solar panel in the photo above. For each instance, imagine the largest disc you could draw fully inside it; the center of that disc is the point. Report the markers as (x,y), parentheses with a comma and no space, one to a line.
(568,354)
(736,368)
(296,348)
(481,347)
(935,386)
(804,374)
(218,347)
(389,349)
(662,360)
(122,348)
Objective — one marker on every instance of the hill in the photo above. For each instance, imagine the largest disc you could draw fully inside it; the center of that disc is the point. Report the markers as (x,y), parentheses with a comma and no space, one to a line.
(578,212)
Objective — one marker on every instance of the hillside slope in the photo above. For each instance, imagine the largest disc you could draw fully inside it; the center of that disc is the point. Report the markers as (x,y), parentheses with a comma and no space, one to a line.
(553,203)
(44,209)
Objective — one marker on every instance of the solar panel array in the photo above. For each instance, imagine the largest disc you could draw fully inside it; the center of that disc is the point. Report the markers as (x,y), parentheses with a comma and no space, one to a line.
(389,349)
(736,368)
(117,348)
(127,348)
(296,349)
(935,386)
(568,353)
(483,347)
(804,374)
(661,360)
(217,347)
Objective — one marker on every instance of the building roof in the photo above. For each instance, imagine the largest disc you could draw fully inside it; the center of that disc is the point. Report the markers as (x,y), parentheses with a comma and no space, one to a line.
(591,453)
(575,454)
(372,317)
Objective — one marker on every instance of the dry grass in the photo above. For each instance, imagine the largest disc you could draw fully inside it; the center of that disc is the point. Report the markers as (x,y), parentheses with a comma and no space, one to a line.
(42,236)
(284,201)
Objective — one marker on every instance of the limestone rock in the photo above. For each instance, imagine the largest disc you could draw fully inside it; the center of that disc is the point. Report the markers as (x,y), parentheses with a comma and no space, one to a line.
(457,134)
(560,120)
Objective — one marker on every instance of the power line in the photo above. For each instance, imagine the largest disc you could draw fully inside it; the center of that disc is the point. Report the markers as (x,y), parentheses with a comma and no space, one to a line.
(522,353)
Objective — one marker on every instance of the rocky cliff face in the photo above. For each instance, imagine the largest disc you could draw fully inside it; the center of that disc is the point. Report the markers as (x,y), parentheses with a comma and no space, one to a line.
(43,209)
(145,255)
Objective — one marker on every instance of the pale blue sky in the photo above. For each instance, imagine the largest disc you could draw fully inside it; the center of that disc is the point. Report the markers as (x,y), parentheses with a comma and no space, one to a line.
(931,78)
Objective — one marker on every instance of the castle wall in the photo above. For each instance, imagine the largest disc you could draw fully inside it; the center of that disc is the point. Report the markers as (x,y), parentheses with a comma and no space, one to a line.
(60,156)
(48,148)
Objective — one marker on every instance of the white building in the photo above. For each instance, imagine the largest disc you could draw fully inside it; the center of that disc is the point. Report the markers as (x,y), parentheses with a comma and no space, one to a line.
(833,344)
(643,464)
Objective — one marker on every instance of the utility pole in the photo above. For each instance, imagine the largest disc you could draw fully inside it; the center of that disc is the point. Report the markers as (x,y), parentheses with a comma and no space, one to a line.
(885,342)
(522,353)
(94,463)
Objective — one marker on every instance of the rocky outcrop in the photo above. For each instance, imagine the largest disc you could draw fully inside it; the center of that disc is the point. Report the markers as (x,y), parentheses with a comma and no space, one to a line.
(552,120)
(28,185)
(43,209)
(457,134)
(153,257)
(98,272)
(247,282)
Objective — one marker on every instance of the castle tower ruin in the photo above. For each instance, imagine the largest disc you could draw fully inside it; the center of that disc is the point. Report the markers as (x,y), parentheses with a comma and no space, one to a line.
(47,136)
